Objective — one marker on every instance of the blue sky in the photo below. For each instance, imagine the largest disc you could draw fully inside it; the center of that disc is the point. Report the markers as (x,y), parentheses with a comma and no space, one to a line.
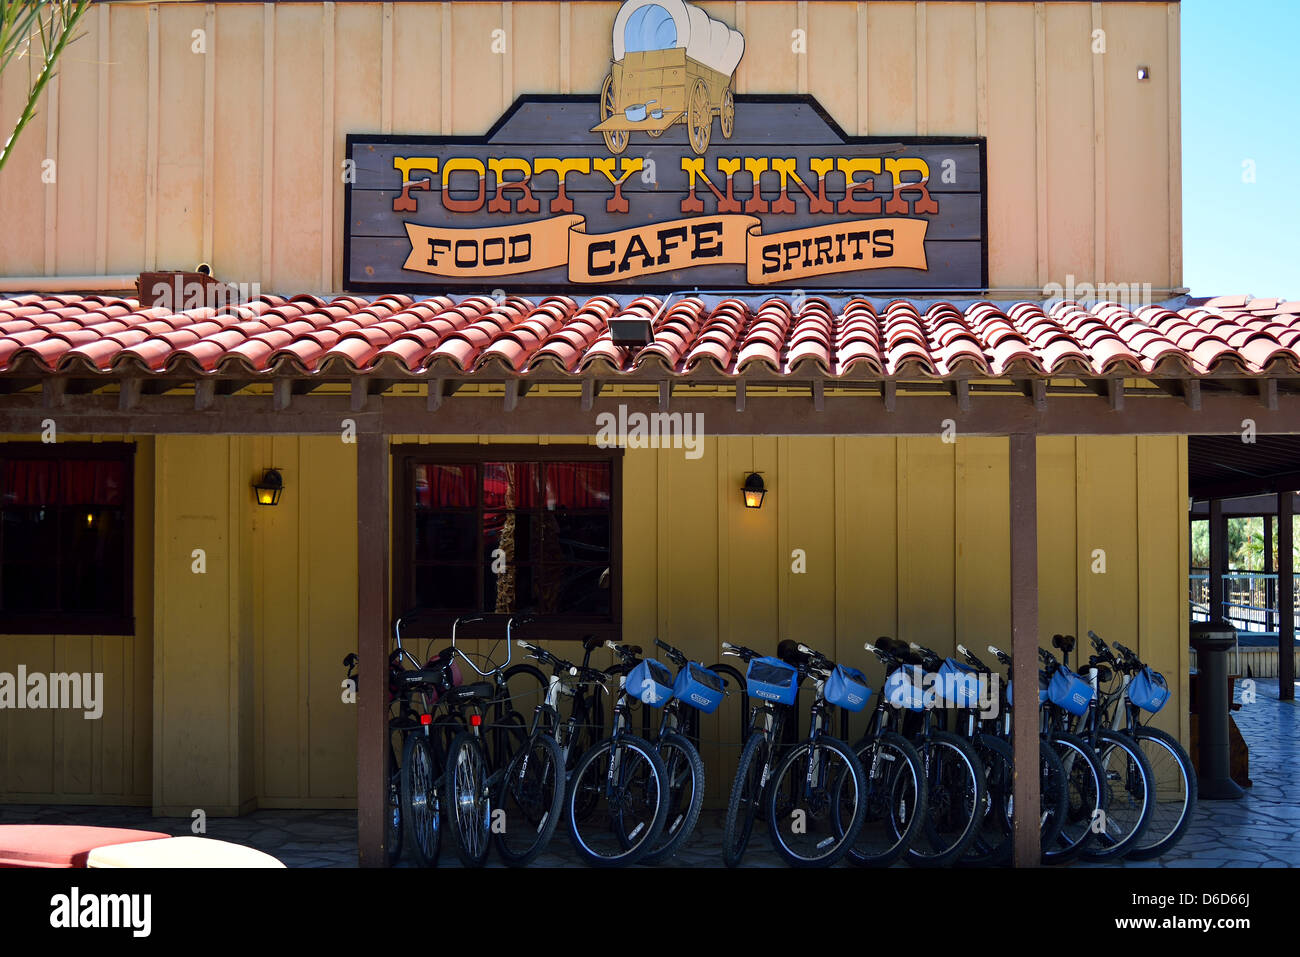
(1241,101)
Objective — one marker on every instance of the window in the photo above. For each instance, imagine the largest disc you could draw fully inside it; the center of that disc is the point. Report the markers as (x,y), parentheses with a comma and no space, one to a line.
(488,531)
(65,539)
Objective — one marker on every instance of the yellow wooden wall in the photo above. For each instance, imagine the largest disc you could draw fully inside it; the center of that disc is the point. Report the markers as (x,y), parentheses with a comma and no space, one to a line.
(166,157)
(58,756)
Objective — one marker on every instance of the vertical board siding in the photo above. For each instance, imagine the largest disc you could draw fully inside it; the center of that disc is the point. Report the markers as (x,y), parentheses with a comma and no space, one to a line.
(53,756)
(889,69)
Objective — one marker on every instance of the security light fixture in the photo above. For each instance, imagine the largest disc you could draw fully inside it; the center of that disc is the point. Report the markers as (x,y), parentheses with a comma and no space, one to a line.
(630,333)
(269,488)
(753,490)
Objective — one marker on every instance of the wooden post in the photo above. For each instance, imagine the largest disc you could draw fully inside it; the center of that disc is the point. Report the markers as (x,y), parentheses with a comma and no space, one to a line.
(1218,557)
(372,644)
(1024,645)
(1285,597)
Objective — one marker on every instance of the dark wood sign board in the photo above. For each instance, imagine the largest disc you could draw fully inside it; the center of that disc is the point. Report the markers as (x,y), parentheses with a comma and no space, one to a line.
(380,242)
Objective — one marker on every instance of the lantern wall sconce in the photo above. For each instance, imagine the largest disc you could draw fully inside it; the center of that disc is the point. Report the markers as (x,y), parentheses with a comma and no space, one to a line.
(753,490)
(269,488)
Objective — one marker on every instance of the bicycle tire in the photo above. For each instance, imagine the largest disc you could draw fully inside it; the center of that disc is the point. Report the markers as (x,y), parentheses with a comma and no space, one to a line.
(420,806)
(744,803)
(1054,796)
(1166,838)
(993,844)
(963,765)
(1107,846)
(538,813)
(679,823)
(883,802)
(841,838)
(645,835)
(1085,797)
(465,798)
(393,817)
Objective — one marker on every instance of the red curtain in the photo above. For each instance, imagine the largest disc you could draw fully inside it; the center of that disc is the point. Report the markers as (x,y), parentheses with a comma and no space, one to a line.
(62,482)
(577,485)
(444,486)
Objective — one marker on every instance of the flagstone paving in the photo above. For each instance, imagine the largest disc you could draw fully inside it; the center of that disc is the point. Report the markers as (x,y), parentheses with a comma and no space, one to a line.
(1256,831)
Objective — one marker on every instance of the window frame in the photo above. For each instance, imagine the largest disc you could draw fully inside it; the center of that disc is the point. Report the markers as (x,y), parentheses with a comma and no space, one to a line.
(556,627)
(72,623)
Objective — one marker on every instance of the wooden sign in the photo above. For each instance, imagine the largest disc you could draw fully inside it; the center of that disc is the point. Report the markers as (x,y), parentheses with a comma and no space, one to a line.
(667,180)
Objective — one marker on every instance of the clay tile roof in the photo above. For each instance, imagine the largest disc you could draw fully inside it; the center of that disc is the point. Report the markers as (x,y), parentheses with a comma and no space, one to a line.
(775,335)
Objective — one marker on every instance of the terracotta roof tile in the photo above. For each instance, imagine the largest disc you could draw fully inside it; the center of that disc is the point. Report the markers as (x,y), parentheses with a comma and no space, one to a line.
(560,335)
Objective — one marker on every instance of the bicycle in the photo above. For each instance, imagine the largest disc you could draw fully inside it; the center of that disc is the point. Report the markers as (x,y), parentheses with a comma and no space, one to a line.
(694,689)
(814,795)
(955,786)
(994,843)
(1125,772)
(513,792)
(1174,778)
(616,802)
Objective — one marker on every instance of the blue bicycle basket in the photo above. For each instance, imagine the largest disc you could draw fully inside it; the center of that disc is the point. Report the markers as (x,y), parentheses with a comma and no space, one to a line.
(847,688)
(1067,690)
(699,687)
(902,691)
(1149,690)
(959,684)
(772,680)
(650,682)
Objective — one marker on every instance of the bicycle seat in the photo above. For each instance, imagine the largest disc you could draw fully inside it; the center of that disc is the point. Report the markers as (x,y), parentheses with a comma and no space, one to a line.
(471,692)
(788,651)
(1064,642)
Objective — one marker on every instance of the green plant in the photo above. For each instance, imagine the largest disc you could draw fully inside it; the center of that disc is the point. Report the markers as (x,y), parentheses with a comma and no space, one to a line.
(37,31)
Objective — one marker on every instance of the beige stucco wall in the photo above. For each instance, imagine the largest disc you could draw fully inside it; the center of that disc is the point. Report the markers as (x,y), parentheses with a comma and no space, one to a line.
(166,157)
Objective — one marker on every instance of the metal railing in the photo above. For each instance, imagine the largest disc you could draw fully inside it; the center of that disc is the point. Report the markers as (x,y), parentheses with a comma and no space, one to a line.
(1249,600)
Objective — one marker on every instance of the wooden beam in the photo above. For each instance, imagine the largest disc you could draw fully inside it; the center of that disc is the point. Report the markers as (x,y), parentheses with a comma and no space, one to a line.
(205,392)
(1246,485)
(129,394)
(359,393)
(1268,393)
(740,394)
(516,389)
(590,389)
(281,394)
(1035,390)
(819,395)
(1115,393)
(434,400)
(1023,467)
(961,389)
(844,414)
(889,393)
(53,392)
(1285,597)
(372,645)
(665,394)
(1192,394)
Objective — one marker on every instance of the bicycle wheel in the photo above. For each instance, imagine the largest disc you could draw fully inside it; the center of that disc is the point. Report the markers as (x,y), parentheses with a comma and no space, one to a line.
(1085,798)
(531,799)
(393,803)
(818,787)
(1054,794)
(466,798)
(745,800)
(685,792)
(1128,778)
(623,781)
(895,799)
(419,777)
(954,782)
(992,844)
(1175,794)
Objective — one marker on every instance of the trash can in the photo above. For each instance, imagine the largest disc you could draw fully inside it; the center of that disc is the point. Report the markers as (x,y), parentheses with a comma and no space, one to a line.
(1212,640)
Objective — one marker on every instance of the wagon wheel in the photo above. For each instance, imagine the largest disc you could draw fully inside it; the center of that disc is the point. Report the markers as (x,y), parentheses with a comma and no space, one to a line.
(615,140)
(699,123)
(728,117)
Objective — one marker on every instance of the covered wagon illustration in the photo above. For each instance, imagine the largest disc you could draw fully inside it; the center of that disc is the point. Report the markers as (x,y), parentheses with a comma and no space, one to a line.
(672,63)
